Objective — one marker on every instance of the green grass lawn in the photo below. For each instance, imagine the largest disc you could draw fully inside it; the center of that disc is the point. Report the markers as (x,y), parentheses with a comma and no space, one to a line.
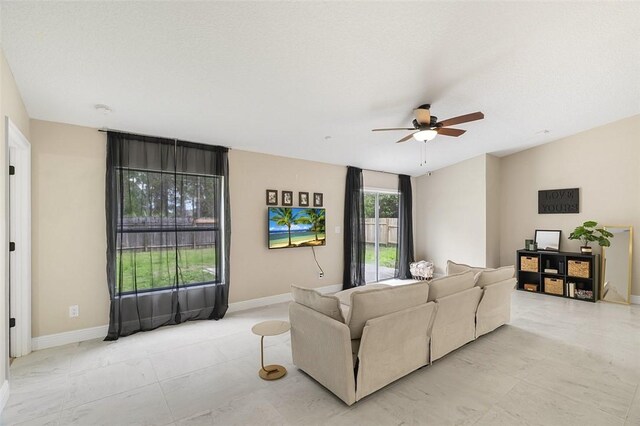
(156,268)
(387,255)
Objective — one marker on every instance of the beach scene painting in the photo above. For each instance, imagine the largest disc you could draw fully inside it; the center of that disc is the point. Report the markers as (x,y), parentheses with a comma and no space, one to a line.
(296,227)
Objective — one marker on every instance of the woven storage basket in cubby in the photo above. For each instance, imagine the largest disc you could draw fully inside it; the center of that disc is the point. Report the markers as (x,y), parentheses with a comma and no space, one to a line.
(529,263)
(554,285)
(579,268)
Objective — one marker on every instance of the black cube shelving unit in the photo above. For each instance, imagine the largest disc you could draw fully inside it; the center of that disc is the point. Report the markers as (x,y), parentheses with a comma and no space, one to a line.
(531,267)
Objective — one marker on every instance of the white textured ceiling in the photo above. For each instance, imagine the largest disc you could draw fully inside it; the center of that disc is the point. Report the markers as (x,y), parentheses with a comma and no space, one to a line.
(280,78)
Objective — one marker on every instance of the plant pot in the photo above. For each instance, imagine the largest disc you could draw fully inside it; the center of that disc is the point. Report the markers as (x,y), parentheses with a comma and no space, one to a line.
(586,249)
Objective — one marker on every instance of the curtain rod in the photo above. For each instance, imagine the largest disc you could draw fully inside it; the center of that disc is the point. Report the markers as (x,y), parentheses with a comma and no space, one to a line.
(380,171)
(106,129)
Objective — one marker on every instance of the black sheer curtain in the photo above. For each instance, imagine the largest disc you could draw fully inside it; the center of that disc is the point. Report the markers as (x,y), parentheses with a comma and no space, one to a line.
(354,233)
(404,254)
(168,232)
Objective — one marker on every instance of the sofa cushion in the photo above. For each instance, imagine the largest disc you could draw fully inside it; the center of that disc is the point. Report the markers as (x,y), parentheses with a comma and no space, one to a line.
(492,276)
(451,284)
(457,268)
(382,301)
(345,295)
(327,305)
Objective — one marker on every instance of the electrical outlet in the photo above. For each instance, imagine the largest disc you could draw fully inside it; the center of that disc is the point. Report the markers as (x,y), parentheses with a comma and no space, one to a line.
(74,311)
(320,275)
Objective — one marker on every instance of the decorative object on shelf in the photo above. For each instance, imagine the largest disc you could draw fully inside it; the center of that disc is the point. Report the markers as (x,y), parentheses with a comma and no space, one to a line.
(272,197)
(553,201)
(588,233)
(561,267)
(584,294)
(571,290)
(317,199)
(421,270)
(550,271)
(617,262)
(528,244)
(531,287)
(548,240)
(303,199)
(287,198)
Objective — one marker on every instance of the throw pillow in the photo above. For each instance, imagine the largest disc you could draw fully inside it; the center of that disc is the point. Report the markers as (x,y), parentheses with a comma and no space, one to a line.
(457,268)
(345,295)
(366,305)
(451,284)
(327,305)
(492,276)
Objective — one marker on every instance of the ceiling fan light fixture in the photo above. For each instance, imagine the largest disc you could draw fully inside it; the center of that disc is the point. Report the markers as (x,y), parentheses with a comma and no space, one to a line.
(425,135)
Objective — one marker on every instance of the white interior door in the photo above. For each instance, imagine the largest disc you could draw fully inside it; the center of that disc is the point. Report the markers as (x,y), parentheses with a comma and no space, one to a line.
(20,235)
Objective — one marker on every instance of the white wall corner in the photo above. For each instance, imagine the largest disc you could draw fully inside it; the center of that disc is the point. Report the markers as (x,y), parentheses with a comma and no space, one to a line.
(635,300)
(4,395)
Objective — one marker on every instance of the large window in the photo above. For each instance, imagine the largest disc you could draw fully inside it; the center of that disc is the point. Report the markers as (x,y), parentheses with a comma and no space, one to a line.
(168,232)
(168,228)
(381,234)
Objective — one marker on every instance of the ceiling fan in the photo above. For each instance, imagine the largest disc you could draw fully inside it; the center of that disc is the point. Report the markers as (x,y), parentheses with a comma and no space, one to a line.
(426,126)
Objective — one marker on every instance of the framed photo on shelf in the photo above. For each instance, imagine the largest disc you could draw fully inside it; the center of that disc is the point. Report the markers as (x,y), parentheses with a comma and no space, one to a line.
(317,199)
(303,199)
(272,197)
(548,240)
(287,198)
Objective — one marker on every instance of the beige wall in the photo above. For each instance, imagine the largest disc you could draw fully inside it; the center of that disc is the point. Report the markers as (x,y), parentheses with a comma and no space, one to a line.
(11,106)
(69,233)
(450,214)
(493,211)
(257,271)
(603,162)
(68,227)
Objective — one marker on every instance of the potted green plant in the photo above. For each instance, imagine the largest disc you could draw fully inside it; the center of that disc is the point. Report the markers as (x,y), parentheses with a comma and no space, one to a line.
(588,233)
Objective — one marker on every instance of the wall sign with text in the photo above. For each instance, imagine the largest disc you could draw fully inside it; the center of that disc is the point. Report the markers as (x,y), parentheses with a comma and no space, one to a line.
(552,201)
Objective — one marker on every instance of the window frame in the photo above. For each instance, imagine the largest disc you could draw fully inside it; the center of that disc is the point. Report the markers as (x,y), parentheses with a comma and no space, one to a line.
(218,229)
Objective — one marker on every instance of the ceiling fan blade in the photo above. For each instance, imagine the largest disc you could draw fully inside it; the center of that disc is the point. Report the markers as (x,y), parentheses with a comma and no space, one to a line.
(406,138)
(450,132)
(393,128)
(422,115)
(461,119)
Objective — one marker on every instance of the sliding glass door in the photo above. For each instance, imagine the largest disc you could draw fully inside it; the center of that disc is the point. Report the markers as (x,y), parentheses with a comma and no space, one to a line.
(381,234)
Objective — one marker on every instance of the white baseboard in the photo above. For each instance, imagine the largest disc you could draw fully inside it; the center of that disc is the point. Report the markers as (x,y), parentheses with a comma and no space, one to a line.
(4,394)
(635,300)
(278,298)
(75,336)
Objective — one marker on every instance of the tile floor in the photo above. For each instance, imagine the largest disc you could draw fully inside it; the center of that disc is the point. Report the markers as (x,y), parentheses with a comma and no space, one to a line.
(559,362)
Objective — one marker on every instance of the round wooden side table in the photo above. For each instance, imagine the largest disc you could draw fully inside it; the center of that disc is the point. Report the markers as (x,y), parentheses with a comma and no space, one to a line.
(270,328)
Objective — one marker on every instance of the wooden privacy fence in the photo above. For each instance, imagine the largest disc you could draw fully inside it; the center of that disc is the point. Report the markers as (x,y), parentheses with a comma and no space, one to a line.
(137,238)
(387,233)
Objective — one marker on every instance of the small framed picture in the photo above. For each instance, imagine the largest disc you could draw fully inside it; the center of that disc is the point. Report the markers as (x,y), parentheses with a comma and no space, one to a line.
(303,199)
(287,198)
(272,197)
(317,199)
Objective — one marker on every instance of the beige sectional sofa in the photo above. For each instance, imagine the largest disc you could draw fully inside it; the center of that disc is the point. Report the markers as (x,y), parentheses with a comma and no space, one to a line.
(359,340)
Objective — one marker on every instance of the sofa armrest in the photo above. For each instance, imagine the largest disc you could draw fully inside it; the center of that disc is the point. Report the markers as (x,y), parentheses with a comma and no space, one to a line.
(455,322)
(321,346)
(392,346)
(494,309)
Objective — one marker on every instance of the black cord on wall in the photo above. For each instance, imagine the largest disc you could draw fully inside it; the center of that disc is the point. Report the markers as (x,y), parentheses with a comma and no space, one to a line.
(314,258)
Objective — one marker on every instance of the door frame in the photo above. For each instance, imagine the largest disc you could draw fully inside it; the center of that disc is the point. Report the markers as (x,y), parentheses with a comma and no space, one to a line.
(376,244)
(19,214)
